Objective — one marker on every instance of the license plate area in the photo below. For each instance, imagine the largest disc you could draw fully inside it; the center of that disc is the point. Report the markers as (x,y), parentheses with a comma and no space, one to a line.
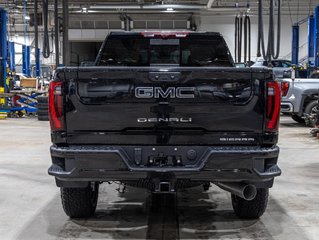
(162,160)
(164,156)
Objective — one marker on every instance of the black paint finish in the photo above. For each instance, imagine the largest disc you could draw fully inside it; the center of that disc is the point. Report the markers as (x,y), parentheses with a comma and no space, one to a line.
(223,111)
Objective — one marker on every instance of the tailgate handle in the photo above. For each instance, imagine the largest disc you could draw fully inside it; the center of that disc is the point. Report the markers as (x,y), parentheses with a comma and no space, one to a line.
(164,76)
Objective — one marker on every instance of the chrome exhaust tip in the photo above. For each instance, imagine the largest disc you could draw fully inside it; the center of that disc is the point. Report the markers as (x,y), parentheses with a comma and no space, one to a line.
(245,191)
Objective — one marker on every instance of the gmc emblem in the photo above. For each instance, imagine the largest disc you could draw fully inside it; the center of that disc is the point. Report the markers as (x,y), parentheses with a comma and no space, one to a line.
(170,92)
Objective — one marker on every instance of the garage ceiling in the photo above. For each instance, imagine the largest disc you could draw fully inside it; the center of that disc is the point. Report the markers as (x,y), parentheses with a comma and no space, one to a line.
(83,13)
(293,7)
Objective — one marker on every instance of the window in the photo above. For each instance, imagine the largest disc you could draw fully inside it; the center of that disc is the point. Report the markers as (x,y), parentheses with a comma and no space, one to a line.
(125,52)
(276,64)
(205,52)
(135,50)
(164,51)
(286,64)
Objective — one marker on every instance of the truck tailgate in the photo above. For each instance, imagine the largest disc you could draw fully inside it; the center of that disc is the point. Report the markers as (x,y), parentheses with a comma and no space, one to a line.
(118,105)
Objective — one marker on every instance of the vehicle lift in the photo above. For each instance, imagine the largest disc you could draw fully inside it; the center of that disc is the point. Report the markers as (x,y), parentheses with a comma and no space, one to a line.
(3,59)
(14,103)
(313,41)
(316,38)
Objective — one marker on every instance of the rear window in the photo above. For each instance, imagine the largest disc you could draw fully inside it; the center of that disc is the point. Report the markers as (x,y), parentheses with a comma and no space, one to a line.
(286,64)
(139,51)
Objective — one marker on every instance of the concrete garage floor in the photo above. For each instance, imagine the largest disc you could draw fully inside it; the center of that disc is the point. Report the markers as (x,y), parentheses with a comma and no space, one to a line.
(30,203)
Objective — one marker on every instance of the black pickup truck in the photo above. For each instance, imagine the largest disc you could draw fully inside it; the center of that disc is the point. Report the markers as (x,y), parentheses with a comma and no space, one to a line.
(164,111)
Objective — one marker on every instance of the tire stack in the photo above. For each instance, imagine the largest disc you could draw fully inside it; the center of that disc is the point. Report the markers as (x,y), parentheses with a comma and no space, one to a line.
(43,108)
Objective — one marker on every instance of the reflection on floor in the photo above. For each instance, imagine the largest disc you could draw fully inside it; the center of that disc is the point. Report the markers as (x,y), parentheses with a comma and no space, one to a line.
(30,203)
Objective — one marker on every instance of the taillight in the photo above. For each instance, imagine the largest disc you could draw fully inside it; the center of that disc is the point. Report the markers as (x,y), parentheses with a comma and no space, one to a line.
(56,106)
(273,106)
(284,88)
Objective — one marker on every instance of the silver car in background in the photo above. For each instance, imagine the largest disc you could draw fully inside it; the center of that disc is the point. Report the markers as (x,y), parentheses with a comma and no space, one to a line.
(300,97)
(279,66)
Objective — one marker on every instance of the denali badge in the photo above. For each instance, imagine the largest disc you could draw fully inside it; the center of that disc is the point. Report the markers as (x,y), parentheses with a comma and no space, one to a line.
(182,120)
(158,92)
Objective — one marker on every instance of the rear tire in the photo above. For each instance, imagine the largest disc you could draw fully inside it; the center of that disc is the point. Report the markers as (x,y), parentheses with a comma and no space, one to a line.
(311,112)
(297,118)
(80,202)
(253,209)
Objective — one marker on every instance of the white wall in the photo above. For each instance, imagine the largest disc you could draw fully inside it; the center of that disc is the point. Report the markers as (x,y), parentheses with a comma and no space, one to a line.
(226,26)
(220,23)
(19,40)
